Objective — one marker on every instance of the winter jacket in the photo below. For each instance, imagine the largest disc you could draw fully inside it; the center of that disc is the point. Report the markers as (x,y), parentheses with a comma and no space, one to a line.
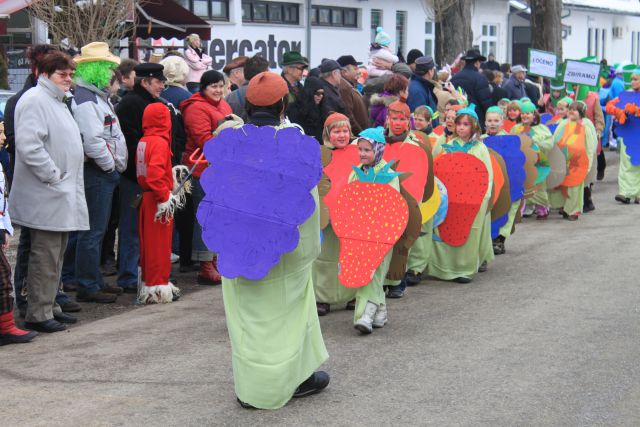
(129,111)
(48,190)
(332,102)
(153,155)
(307,112)
(355,106)
(201,117)
(9,126)
(380,107)
(476,86)
(198,64)
(497,93)
(421,93)
(236,101)
(175,95)
(102,139)
(515,88)
(5,218)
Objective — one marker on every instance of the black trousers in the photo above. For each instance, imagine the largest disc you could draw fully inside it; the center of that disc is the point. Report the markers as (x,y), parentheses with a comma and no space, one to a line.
(184,219)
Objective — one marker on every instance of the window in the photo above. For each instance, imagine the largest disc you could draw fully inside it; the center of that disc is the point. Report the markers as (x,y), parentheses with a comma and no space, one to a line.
(489,40)
(429,38)
(209,9)
(596,42)
(271,12)
(401,30)
(329,16)
(376,21)
(635,46)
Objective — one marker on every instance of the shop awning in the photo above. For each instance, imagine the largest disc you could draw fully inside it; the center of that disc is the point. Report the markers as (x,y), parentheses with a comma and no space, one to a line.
(166,18)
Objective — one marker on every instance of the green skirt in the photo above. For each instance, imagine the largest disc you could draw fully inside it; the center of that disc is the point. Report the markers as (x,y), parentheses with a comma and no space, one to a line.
(273,325)
(419,253)
(327,287)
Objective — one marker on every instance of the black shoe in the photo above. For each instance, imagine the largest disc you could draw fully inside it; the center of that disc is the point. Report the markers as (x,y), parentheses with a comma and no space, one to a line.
(572,217)
(588,207)
(314,384)
(323,308)
(600,175)
(245,405)
(564,214)
(65,318)
(48,326)
(71,307)
(173,280)
(17,339)
(622,199)
(412,278)
(98,297)
(351,305)
(397,291)
(483,267)
(110,289)
(130,289)
(69,287)
(461,280)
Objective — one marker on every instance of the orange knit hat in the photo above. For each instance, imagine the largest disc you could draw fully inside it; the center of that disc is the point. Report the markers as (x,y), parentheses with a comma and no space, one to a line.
(400,107)
(266,89)
(335,117)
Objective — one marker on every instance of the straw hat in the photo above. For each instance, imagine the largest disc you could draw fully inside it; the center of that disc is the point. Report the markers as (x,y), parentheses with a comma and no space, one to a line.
(96,51)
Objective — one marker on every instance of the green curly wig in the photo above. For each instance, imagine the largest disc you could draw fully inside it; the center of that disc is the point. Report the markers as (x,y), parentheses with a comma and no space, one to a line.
(97,73)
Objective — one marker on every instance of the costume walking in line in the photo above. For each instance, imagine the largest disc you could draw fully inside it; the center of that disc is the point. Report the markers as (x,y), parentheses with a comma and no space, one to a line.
(154,173)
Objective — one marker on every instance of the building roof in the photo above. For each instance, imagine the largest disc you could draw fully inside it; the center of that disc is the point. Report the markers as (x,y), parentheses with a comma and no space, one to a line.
(615,6)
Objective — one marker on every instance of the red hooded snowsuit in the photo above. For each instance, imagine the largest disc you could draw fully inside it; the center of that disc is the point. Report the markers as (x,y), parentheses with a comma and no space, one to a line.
(153,169)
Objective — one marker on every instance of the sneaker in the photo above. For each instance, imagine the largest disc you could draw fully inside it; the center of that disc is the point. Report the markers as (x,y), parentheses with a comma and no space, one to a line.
(380,318)
(622,199)
(174,258)
(317,382)
(397,291)
(365,323)
(323,308)
(412,278)
(97,297)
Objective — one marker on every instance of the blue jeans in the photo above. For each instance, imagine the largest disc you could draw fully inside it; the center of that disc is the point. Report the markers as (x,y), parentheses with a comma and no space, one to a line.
(22,267)
(200,252)
(128,240)
(99,187)
(69,264)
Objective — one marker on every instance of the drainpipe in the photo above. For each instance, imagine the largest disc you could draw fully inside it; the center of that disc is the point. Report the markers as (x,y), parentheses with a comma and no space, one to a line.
(308,30)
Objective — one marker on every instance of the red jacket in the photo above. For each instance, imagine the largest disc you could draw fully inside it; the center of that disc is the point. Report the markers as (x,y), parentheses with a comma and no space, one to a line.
(153,156)
(201,116)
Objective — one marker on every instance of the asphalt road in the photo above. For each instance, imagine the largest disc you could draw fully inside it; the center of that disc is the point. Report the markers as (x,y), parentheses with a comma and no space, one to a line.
(549,336)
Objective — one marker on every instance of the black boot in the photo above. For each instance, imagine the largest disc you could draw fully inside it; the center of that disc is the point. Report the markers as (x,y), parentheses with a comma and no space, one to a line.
(588,205)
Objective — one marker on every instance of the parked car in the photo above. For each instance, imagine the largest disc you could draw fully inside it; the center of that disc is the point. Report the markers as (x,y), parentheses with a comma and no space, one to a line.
(4,97)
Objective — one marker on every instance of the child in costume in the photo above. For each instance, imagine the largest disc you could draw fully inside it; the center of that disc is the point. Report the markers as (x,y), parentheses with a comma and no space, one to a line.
(9,333)
(494,121)
(628,172)
(461,263)
(504,105)
(549,101)
(267,286)
(155,176)
(371,309)
(529,124)
(336,137)
(451,109)
(513,115)
(422,120)
(577,138)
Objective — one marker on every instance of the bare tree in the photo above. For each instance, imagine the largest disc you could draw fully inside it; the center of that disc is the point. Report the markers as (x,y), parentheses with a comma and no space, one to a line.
(546,25)
(453,27)
(85,21)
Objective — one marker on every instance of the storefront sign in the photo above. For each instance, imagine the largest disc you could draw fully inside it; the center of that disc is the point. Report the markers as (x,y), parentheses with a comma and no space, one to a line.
(543,63)
(223,51)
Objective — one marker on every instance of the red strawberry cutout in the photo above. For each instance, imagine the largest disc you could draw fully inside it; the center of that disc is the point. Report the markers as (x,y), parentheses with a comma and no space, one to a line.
(467,180)
(338,171)
(368,220)
(410,158)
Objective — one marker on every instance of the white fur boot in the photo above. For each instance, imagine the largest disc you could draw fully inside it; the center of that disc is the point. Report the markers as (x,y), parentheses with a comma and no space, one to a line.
(365,323)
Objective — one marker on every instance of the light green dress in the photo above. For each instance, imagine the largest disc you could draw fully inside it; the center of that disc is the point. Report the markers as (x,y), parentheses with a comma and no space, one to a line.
(273,325)
(448,262)
(573,204)
(543,140)
(628,175)
(374,291)
(325,272)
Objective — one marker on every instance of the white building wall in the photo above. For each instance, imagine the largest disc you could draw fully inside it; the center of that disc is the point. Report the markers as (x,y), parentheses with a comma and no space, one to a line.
(492,12)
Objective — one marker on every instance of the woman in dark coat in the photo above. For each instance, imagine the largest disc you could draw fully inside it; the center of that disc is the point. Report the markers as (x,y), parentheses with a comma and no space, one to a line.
(309,104)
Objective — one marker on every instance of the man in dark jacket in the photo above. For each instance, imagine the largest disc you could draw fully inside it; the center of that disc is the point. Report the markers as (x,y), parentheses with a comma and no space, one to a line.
(149,84)
(352,99)
(474,83)
(36,53)
(420,86)
(331,77)
(491,63)
(515,86)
